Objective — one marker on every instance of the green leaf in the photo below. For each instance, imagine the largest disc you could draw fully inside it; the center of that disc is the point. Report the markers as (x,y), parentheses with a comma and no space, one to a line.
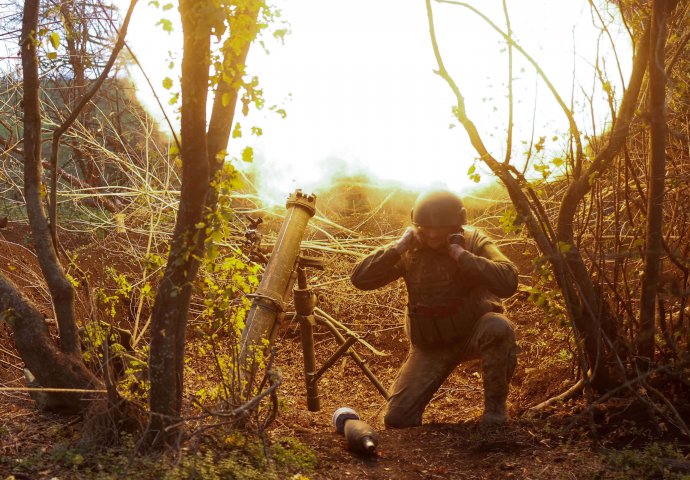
(558,161)
(166,24)
(237,131)
(54,40)
(471,170)
(280,33)
(167,83)
(52,55)
(281,112)
(248,155)
(167,6)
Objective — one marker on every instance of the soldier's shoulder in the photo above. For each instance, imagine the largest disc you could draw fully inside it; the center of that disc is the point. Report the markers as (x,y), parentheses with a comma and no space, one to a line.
(475,238)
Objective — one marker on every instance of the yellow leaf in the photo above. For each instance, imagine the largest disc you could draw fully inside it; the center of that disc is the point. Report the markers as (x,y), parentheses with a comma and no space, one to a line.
(54,40)
(248,155)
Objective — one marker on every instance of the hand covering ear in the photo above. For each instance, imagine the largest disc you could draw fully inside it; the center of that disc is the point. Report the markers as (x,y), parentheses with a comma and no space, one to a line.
(407,241)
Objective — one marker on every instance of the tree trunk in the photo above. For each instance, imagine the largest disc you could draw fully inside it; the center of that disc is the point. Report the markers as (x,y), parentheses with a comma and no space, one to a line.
(657,175)
(201,160)
(234,58)
(593,315)
(61,290)
(53,367)
(171,307)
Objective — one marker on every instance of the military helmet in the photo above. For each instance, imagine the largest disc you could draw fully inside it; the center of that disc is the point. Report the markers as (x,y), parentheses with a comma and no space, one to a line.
(438,208)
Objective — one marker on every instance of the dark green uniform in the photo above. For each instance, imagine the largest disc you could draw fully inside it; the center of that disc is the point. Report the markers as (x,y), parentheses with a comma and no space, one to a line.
(454,313)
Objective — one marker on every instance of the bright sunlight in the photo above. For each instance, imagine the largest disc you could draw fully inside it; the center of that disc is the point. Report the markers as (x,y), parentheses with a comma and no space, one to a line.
(356,86)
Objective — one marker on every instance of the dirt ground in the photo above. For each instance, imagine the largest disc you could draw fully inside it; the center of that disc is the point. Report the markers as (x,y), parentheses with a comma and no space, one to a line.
(450,444)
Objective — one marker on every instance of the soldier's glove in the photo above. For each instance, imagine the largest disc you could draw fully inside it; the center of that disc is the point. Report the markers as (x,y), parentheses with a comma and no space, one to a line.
(407,241)
(456,244)
(457,239)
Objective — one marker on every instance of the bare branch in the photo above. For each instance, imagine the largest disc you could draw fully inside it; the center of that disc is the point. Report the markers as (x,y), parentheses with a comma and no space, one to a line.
(574,131)
(509,139)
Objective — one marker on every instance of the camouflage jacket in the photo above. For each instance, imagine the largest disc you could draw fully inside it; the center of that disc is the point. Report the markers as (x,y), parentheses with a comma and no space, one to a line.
(445,298)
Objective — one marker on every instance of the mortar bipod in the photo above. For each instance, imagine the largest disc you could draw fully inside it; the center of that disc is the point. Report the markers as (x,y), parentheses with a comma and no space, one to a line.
(305,303)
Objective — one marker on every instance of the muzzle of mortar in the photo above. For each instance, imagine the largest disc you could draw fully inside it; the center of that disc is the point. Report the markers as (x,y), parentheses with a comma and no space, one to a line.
(268,303)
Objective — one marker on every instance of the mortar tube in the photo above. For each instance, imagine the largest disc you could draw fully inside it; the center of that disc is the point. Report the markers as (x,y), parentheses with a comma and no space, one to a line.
(269,297)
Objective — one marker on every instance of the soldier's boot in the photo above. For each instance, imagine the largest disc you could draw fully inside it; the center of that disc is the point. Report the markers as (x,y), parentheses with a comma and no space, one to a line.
(495,409)
(498,365)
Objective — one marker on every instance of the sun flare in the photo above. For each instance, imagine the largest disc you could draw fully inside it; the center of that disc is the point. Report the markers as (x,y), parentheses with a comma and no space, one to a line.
(352,91)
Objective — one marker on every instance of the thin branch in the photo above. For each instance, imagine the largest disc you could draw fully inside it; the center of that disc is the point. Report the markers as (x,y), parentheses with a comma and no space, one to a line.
(509,140)
(153,90)
(613,44)
(51,390)
(571,119)
(562,397)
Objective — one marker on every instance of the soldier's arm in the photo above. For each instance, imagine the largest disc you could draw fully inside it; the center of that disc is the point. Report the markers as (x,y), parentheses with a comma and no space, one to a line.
(491,269)
(378,269)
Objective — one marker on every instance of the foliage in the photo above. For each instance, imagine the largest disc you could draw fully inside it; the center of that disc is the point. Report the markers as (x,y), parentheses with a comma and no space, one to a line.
(653,461)
(242,457)
(115,157)
(290,452)
(510,221)
(226,278)
(544,296)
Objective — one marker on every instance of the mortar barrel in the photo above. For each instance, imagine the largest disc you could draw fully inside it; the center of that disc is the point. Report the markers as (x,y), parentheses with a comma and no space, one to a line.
(269,297)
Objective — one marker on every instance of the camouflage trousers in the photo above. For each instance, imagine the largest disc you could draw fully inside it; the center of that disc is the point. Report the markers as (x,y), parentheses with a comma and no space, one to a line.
(426,369)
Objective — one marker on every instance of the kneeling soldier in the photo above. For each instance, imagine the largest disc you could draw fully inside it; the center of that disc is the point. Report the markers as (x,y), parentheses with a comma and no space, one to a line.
(454,278)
